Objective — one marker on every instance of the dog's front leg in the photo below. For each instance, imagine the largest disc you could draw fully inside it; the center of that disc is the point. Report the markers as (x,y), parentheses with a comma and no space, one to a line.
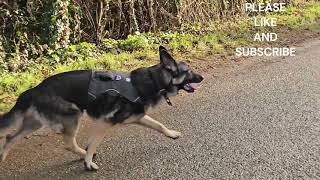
(98,132)
(153,124)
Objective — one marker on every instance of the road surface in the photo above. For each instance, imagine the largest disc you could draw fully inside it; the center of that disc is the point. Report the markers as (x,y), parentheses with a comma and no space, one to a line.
(259,120)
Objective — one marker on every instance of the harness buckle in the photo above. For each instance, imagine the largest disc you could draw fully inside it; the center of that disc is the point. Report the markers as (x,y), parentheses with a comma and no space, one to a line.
(168,100)
(164,94)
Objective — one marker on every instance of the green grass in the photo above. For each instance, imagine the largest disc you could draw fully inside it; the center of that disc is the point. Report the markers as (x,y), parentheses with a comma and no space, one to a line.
(191,42)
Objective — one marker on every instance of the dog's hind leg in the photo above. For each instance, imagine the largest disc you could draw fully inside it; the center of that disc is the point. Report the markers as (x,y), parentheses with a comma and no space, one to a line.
(62,117)
(147,121)
(69,137)
(98,132)
(30,124)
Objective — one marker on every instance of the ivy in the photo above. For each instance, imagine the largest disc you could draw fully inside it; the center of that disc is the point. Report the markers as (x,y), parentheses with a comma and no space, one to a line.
(60,30)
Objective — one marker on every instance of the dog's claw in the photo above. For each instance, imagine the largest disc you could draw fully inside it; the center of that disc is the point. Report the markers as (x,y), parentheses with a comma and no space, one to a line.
(174,134)
(91,166)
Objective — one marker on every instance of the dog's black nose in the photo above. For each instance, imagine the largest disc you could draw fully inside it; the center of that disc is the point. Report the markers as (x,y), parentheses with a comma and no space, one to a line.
(201,78)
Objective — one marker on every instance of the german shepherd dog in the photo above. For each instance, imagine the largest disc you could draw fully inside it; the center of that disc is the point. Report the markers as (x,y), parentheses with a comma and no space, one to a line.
(60,100)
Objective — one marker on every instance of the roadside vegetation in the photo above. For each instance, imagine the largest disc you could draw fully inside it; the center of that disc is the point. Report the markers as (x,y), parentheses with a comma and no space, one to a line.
(27,60)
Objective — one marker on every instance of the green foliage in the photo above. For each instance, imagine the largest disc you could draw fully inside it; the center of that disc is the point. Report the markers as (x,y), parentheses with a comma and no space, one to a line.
(182,41)
(72,53)
(19,82)
(134,42)
(295,17)
(18,73)
(60,25)
(25,31)
(110,43)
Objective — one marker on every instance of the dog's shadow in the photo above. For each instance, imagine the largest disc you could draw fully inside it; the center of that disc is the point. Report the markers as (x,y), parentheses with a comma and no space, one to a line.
(73,169)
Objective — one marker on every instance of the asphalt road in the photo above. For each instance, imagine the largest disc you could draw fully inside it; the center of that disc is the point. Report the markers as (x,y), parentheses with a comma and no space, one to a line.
(258,120)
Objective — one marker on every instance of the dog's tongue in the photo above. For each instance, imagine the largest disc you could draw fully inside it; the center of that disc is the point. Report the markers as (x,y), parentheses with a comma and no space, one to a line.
(191,86)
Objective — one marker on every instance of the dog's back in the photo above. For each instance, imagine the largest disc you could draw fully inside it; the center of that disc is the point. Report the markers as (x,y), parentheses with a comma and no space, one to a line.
(70,86)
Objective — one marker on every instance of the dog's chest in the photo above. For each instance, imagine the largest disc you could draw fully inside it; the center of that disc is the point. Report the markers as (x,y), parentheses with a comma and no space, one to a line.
(111,84)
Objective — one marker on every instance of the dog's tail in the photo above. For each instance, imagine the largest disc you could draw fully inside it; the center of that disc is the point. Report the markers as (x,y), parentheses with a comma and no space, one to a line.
(14,118)
(7,120)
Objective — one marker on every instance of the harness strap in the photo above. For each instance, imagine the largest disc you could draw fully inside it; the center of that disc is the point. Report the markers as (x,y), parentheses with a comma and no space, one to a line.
(167,100)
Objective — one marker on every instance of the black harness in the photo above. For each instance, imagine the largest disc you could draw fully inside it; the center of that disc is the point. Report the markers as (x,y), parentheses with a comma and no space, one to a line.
(115,84)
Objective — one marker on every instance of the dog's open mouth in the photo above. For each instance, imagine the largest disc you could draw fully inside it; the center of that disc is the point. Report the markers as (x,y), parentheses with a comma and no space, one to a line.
(190,87)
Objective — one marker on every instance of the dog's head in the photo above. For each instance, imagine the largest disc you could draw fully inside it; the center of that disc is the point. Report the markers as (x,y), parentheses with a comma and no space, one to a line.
(177,75)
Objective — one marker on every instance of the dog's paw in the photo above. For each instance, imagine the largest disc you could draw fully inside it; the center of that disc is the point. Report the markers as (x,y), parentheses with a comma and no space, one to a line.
(3,155)
(90,166)
(173,134)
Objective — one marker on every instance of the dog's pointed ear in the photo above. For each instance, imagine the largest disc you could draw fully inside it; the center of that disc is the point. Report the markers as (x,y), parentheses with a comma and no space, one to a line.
(166,59)
(161,48)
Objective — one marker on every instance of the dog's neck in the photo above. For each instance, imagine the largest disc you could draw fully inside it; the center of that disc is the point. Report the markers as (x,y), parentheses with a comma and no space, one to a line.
(148,83)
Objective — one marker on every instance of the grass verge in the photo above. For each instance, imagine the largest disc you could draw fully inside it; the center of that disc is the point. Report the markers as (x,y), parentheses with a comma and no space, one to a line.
(189,43)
